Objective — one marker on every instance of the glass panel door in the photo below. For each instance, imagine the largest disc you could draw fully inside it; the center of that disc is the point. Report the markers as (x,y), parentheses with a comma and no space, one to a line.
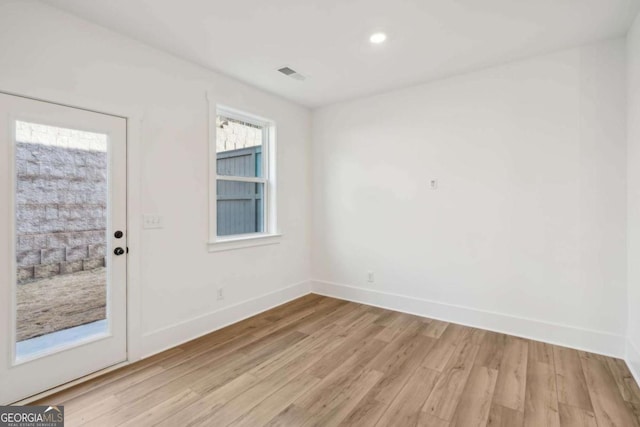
(63,275)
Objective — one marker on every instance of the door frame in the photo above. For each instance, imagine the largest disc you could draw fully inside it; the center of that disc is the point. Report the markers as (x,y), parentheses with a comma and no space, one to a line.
(134,134)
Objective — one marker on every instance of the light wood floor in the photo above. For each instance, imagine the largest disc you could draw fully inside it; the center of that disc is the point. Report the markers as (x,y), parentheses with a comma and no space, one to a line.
(322,361)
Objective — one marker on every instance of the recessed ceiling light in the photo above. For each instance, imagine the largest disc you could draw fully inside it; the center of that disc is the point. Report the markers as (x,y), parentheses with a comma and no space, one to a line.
(377,38)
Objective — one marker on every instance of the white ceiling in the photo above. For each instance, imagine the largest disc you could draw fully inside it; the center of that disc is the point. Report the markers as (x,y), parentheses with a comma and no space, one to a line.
(327,40)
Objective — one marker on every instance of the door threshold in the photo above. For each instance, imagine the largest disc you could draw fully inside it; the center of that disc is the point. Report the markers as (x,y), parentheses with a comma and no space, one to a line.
(68,385)
(57,341)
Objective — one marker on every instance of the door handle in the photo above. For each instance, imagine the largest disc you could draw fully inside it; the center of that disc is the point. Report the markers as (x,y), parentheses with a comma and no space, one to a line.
(118,251)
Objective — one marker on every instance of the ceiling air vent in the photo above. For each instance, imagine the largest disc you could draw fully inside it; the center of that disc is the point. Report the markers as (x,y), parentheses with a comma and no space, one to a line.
(289,72)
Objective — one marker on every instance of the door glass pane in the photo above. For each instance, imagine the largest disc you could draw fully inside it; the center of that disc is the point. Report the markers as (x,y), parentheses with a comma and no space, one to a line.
(61,228)
(240,208)
(238,148)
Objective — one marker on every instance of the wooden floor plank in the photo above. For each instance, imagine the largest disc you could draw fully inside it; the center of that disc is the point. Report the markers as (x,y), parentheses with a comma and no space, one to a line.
(207,406)
(387,318)
(90,413)
(427,420)
(512,375)
(608,405)
(398,348)
(211,377)
(146,367)
(399,368)
(475,402)
(335,386)
(444,399)
(491,350)
(541,397)
(635,409)
(397,362)
(334,411)
(343,352)
(445,347)
(405,409)
(277,402)
(323,361)
(626,384)
(570,416)
(340,311)
(292,415)
(366,413)
(399,325)
(501,416)
(436,328)
(156,414)
(335,396)
(572,386)
(232,400)
(541,352)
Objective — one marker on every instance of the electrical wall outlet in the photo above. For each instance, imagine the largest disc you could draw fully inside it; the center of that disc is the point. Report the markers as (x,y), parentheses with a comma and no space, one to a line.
(220,294)
(152,221)
(434,184)
(370,277)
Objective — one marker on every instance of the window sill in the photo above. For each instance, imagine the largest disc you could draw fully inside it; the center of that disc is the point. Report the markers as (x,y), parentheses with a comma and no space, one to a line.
(244,241)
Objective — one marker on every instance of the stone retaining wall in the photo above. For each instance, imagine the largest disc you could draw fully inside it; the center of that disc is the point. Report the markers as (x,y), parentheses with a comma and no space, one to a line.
(60,210)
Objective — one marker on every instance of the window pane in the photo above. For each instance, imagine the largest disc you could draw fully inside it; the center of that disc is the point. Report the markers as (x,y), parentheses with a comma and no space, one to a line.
(238,148)
(61,236)
(240,207)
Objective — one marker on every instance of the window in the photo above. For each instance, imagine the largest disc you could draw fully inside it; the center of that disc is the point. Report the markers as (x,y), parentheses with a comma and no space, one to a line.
(243,205)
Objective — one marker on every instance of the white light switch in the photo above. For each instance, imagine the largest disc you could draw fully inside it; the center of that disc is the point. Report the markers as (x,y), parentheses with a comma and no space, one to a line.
(152,221)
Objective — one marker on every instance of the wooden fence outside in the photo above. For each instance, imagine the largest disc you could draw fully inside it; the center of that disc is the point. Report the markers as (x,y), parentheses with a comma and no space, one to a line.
(240,208)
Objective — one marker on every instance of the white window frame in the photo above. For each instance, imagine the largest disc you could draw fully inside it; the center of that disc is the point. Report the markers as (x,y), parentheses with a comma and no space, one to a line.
(271,234)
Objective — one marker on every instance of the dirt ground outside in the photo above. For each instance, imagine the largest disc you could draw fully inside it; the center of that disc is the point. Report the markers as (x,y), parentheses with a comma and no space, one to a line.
(60,302)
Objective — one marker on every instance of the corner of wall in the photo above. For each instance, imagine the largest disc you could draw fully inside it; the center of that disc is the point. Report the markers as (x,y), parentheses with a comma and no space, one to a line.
(633,360)
(632,355)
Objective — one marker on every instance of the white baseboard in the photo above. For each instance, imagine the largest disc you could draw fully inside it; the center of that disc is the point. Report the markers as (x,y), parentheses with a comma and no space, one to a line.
(568,336)
(633,360)
(563,335)
(187,330)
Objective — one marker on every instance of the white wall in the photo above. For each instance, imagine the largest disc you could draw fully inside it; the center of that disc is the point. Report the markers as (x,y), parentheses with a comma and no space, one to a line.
(525,234)
(633,169)
(526,231)
(48,54)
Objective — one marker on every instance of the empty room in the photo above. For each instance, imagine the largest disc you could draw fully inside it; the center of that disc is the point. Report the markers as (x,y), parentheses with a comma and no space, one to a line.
(320,213)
